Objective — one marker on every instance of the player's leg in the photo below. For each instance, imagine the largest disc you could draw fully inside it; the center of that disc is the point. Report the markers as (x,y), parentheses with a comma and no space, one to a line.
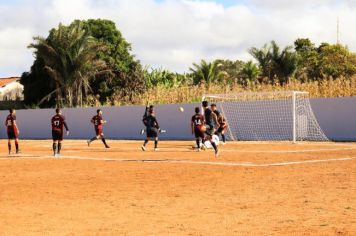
(209,136)
(145,143)
(103,139)
(54,147)
(223,136)
(94,138)
(59,148)
(17,145)
(9,145)
(156,144)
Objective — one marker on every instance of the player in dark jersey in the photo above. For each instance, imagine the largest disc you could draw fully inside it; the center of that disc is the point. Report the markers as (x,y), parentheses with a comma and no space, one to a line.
(222,123)
(12,130)
(198,127)
(210,119)
(98,122)
(152,129)
(145,115)
(58,123)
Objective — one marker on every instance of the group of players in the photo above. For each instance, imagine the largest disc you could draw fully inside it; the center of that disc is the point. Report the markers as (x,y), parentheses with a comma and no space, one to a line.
(204,127)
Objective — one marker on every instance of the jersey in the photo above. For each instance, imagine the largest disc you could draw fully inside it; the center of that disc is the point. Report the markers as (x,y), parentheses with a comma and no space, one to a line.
(10,123)
(151,122)
(58,122)
(209,117)
(198,121)
(97,121)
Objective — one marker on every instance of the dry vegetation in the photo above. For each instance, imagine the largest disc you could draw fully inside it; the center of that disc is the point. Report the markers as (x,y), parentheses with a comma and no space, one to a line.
(341,87)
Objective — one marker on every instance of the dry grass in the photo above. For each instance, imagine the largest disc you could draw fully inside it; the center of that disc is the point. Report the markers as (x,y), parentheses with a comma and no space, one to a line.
(341,87)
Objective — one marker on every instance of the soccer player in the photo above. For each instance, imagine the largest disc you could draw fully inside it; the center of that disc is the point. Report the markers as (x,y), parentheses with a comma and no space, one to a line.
(58,122)
(147,109)
(198,127)
(210,119)
(98,122)
(222,123)
(12,130)
(152,129)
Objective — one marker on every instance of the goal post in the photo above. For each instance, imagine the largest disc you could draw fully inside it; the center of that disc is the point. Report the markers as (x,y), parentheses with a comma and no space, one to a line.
(268,116)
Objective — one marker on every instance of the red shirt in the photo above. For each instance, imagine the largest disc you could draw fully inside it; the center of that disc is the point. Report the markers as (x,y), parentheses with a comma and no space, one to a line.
(10,123)
(97,121)
(198,120)
(58,122)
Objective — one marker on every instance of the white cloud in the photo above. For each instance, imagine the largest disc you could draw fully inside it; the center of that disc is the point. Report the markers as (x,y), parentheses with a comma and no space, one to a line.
(175,33)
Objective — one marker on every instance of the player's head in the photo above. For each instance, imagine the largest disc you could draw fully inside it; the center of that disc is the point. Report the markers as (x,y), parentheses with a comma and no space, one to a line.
(197,110)
(12,111)
(99,112)
(205,104)
(151,109)
(58,111)
(213,107)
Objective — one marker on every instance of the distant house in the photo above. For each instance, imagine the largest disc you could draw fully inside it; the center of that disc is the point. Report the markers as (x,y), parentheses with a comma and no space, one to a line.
(11,89)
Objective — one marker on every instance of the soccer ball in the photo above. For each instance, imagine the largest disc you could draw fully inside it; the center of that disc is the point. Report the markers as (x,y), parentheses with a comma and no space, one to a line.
(181,109)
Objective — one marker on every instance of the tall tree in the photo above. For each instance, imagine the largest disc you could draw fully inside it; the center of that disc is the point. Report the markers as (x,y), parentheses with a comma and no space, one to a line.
(70,61)
(206,72)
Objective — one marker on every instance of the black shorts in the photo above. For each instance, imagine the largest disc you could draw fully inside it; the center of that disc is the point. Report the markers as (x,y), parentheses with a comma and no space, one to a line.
(210,130)
(57,135)
(198,133)
(152,132)
(12,135)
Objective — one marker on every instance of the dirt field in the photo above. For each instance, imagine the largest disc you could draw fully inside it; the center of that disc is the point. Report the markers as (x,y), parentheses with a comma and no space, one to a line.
(251,189)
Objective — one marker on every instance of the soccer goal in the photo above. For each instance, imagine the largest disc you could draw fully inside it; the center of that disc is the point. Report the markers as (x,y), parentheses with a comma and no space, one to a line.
(263,116)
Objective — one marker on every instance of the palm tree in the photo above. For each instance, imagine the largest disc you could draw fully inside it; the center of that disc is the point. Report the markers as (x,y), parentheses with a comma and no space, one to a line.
(208,72)
(250,71)
(70,58)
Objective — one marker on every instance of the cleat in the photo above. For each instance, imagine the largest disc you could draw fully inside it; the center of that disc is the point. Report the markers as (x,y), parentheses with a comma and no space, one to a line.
(107,146)
(58,155)
(198,149)
(143,148)
(223,143)
(203,147)
(156,149)
(88,143)
(18,151)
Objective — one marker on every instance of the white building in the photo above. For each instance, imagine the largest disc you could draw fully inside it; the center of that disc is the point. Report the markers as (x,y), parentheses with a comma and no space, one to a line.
(11,89)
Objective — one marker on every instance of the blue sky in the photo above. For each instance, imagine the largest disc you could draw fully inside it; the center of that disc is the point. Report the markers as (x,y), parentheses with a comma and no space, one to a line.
(175,33)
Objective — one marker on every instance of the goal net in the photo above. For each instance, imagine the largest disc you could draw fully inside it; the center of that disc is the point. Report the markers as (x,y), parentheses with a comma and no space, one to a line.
(268,116)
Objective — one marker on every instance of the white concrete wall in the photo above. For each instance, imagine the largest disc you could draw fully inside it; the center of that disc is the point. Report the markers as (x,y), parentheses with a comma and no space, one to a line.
(336,116)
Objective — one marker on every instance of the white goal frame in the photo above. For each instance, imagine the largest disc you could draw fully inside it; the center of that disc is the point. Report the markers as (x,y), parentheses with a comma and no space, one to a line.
(293,95)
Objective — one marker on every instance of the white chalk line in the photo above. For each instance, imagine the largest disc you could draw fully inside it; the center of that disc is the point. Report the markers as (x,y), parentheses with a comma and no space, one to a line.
(169,161)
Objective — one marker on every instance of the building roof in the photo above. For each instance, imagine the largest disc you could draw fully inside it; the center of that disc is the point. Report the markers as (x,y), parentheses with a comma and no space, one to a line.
(6,81)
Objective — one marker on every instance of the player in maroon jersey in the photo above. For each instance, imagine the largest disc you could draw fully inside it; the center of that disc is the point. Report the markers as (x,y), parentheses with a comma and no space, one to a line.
(98,122)
(222,123)
(12,130)
(198,127)
(58,123)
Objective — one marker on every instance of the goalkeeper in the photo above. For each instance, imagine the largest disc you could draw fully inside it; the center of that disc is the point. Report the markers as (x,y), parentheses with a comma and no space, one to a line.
(222,123)
(210,119)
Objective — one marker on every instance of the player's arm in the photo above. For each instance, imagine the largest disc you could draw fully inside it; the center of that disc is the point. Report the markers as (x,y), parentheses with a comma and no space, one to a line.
(156,122)
(192,125)
(16,127)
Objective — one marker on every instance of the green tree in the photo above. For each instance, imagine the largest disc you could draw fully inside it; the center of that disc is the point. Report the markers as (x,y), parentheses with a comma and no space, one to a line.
(206,72)
(250,72)
(69,56)
(276,64)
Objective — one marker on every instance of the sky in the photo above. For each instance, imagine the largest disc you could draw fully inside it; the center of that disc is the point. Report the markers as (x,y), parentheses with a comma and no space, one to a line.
(172,34)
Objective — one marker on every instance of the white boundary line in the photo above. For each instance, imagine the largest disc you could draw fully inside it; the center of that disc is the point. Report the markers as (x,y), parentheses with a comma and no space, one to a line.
(212,163)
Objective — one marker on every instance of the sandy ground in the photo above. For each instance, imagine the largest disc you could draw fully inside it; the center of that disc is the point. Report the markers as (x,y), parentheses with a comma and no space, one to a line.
(251,189)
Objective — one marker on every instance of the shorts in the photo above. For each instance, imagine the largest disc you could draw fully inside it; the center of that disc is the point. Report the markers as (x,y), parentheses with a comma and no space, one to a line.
(57,135)
(152,132)
(12,135)
(210,130)
(221,129)
(99,132)
(198,133)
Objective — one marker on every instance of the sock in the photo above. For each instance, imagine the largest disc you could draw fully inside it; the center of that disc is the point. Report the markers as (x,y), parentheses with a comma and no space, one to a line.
(9,146)
(93,139)
(59,147)
(104,141)
(17,146)
(214,145)
(144,144)
(198,142)
(54,148)
(223,137)
(156,143)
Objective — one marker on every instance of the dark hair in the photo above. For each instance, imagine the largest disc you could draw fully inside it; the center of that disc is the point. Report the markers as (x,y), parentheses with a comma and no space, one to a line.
(11,110)
(205,103)
(151,107)
(58,110)
(213,105)
(97,111)
(197,110)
